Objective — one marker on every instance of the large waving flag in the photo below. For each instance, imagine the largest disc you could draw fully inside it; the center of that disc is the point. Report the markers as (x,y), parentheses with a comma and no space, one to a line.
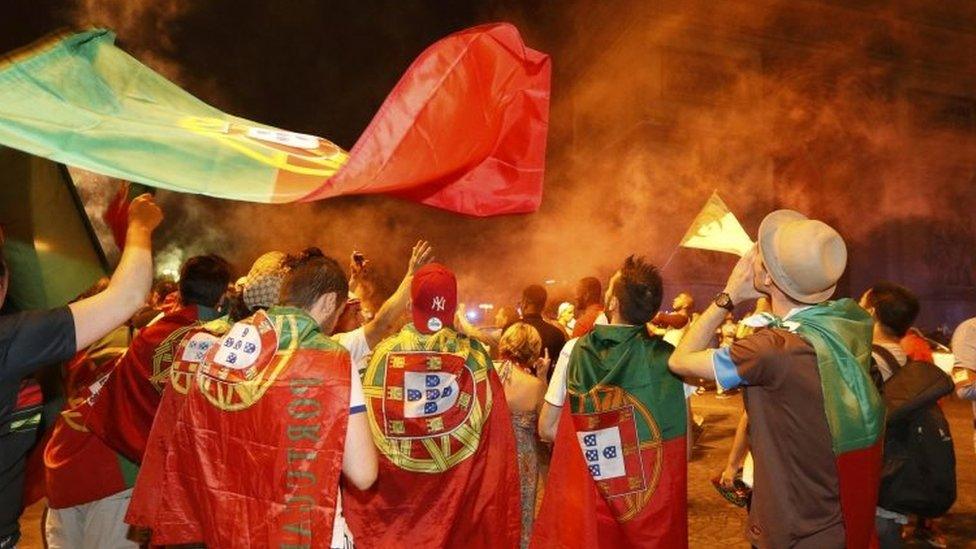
(464,129)
(716,228)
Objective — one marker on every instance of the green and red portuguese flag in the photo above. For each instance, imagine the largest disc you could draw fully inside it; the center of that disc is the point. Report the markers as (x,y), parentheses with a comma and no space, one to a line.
(840,333)
(464,129)
(619,471)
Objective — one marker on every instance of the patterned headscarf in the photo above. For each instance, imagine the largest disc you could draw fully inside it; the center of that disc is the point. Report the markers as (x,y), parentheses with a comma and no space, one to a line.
(262,285)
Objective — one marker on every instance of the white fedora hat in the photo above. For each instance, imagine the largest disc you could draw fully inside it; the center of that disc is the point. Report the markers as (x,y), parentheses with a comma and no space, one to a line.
(805,257)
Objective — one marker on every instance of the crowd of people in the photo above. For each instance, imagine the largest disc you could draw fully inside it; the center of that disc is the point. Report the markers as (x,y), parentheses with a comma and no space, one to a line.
(300,406)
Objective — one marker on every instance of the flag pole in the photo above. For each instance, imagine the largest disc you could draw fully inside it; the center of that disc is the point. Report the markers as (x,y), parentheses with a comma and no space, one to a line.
(670,257)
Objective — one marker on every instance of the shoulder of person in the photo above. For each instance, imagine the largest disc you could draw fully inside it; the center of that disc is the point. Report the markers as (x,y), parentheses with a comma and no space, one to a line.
(320,342)
(768,342)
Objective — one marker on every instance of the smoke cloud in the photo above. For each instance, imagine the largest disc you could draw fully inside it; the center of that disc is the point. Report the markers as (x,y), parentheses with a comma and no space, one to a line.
(862,117)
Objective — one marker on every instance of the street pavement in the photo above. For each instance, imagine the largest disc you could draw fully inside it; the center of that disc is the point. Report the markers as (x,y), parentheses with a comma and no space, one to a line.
(714,523)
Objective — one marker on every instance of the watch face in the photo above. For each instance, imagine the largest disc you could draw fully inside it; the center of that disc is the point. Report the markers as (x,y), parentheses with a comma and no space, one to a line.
(724,301)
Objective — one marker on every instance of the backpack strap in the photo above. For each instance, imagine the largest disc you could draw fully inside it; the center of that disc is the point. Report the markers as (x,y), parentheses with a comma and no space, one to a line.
(886,356)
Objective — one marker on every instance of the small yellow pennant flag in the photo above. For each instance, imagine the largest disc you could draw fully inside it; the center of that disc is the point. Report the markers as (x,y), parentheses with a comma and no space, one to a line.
(715,228)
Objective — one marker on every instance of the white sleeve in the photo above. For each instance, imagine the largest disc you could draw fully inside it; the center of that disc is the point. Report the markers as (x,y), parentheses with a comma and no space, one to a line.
(355,342)
(357,402)
(556,394)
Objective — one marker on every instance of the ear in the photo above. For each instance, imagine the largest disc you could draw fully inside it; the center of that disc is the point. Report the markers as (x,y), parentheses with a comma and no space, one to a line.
(613,304)
(325,305)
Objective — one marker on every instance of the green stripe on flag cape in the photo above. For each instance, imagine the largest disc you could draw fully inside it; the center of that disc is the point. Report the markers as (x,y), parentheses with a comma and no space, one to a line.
(626,357)
(840,333)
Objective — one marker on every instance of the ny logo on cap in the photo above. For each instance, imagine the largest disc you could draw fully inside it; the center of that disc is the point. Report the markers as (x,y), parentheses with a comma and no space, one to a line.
(440,303)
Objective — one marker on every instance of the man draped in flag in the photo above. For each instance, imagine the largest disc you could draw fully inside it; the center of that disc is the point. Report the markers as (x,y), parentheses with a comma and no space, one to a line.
(87,484)
(122,411)
(815,418)
(618,476)
(448,473)
(182,353)
(270,420)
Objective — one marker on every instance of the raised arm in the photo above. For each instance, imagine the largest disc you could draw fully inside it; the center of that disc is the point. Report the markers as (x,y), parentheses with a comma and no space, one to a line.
(360,463)
(384,320)
(692,357)
(98,315)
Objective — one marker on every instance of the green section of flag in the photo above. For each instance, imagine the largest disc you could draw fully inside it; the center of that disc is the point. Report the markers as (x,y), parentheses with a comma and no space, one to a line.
(52,254)
(79,100)
(626,357)
(840,333)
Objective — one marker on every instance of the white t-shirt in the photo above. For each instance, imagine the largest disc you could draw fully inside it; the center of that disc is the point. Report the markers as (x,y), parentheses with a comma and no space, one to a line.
(354,342)
(897,352)
(556,393)
(359,351)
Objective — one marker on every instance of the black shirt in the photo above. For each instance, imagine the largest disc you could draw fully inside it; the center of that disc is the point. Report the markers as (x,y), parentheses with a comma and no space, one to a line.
(28,341)
(553,338)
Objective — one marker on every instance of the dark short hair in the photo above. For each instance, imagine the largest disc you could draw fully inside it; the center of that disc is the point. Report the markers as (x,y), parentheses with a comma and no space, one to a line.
(895,307)
(311,276)
(638,290)
(535,295)
(203,280)
(589,291)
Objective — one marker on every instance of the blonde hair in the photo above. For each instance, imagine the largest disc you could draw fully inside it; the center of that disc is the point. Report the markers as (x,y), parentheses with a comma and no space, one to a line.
(520,343)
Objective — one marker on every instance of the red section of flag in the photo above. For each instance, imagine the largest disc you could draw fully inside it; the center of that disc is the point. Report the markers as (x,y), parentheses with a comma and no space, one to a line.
(228,483)
(575,514)
(146,494)
(474,504)
(80,468)
(464,129)
(124,408)
(859,476)
(116,215)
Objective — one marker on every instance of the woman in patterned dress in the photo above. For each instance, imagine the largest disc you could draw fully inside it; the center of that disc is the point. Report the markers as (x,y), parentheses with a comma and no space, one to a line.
(518,367)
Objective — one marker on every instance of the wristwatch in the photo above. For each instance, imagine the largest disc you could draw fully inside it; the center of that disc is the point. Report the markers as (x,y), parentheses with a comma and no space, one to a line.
(724,301)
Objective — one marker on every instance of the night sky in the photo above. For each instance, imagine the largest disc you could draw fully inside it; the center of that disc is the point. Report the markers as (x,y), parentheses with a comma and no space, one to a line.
(859,112)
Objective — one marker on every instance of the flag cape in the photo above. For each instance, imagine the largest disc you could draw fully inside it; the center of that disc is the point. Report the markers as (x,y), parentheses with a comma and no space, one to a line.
(122,410)
(618,476)
(464,129)
(840,333)
(448,473)
(256,451)
(79,468)
(186,352)
(716,228)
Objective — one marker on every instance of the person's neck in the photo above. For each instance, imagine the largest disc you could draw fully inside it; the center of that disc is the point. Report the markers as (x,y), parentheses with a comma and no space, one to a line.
(617,320)
(531,312)
(882,337)
(782,304)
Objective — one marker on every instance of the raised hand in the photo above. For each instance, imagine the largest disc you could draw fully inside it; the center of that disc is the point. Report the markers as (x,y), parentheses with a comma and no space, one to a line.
(740,285)
(421,255)
(144,213)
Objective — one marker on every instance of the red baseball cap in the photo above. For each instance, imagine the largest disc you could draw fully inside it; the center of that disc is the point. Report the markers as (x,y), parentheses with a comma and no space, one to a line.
(433,296)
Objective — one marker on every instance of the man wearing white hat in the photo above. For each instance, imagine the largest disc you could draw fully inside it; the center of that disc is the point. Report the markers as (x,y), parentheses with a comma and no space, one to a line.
(815,417)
